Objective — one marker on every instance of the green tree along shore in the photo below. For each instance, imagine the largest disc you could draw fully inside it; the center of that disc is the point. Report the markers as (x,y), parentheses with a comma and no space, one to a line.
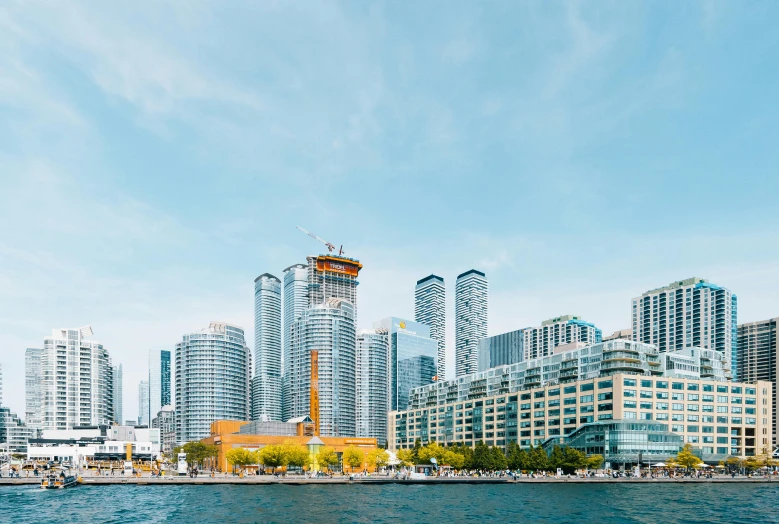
(492,458)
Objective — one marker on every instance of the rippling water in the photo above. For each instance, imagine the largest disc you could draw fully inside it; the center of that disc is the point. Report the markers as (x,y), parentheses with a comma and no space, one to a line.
(605,503)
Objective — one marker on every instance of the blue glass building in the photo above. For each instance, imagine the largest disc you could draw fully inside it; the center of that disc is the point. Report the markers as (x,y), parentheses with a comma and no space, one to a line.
(413,357)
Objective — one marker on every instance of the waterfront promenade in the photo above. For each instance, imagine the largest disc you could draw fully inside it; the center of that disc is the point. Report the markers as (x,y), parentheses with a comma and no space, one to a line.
(296,481)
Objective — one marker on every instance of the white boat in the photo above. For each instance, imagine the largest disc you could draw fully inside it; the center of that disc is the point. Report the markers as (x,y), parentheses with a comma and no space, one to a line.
(61,481)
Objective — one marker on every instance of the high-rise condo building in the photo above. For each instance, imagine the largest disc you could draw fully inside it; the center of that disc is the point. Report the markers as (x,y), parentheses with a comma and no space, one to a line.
(212,380)
(688,313)
(266,384)
(470,323)
(331,276)
(541,341)
(118,392)
(412,357)
(77,381)
(758,359)
(295,302)
(159,381)
(501,350)
(430,309)
(323,367)
(372,384)
(33,387)
(143,404)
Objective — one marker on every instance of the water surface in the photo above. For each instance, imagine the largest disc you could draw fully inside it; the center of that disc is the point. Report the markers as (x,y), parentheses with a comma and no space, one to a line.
(605,503)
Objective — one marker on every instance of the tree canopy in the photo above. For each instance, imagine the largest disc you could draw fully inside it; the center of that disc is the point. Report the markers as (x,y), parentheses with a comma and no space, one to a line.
(377,458)
(405,457)
(353,457)
(686,458)
(273,456)
(296,454)
(326,457)
(197,452)
(241,457)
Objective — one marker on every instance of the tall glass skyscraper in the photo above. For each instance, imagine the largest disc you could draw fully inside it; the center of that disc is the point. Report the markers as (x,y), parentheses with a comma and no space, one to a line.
(412,360)
(212,380)
(430,309)
(689,313)
(143,404)
(118,394)
(295,302)
(159,381)
(470,323)
(372,384)
(33,387)
(266,385)
(329,330)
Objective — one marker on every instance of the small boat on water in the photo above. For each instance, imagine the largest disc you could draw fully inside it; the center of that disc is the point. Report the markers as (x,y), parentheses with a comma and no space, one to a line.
(61,481)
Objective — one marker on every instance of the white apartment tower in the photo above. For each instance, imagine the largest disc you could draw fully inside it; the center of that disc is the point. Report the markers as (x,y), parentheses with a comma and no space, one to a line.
(688,313)
(266,384)
(430,309)
(542,340)
(77,381)
(372,383)
(470,324)
(212,380)
(329,330)
(33,387)
(295,302)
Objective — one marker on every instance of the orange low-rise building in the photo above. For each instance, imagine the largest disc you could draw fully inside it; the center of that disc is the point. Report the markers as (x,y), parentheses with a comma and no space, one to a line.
(229,434)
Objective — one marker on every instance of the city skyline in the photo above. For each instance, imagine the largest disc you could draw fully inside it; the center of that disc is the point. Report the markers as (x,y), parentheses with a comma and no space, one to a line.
(579,157)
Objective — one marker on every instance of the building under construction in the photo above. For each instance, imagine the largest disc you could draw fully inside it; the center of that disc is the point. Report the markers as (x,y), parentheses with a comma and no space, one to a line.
(332,276)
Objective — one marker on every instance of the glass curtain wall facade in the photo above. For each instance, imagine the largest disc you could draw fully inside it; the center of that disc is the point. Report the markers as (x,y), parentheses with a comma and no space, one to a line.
(159,381)
(295,302)
(33,387)
(622,442)
(144,418)
(688,313)
(372,379)
(430,310)
(501,350)
(212,380)
(470,324)
(118,394)
(758,357)
(77,381)
(266,385)
(412,357)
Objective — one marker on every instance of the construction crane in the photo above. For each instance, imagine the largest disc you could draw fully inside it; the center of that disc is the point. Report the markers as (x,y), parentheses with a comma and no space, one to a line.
(330,247)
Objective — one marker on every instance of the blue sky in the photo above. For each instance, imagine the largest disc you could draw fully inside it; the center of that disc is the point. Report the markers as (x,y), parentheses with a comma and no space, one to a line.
(156,157)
